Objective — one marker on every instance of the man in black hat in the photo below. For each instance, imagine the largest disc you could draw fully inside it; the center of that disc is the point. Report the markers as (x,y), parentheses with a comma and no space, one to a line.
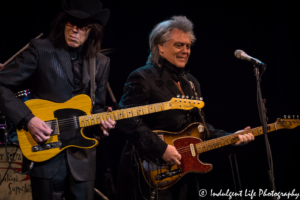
(57,69)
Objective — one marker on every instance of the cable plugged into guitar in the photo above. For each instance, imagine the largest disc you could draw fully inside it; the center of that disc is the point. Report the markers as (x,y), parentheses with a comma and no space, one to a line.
(168,174)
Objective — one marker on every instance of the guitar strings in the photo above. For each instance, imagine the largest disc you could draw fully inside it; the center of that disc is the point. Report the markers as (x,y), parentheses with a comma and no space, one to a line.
(71,122)
(184,149)
(110,115)
(187,148)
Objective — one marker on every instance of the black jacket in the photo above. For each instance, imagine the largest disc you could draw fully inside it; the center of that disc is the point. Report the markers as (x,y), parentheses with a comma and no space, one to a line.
(47,71)
(147,85)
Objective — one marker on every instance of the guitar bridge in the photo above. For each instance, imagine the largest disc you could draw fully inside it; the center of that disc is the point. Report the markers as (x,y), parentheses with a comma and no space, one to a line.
(168,174)
(46,146)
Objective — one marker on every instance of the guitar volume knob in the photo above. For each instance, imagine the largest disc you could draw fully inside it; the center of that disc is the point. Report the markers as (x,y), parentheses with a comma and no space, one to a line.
(201,128)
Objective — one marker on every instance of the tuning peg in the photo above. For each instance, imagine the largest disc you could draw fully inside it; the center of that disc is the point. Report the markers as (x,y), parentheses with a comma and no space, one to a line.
(297,116)
(293,116)
(178,95)
(289,116)
(192,97)
(201,98)
(267,119)
(197,98)
(265,100)
(187,96)
(182,96)
(284,116)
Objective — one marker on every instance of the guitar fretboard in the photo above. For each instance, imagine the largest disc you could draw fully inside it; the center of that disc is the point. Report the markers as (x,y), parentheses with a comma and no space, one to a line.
(90,120)
(230,139)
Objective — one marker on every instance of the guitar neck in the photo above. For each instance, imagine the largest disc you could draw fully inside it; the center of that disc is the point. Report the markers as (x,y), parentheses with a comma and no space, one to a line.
(233,138)
(93,119)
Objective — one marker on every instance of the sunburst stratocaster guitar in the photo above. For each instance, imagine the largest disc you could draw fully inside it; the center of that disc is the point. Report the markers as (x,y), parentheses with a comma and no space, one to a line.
(189,145)
(68,119)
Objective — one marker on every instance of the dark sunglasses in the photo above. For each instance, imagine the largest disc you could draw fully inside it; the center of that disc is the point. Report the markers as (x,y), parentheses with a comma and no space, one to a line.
(81,25)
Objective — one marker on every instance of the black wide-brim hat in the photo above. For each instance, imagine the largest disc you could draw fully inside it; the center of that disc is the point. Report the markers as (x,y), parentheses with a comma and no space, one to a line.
(86,9)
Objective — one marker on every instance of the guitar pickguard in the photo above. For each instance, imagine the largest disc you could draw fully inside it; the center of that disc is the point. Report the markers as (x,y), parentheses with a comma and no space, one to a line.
(184,141)
(70,132)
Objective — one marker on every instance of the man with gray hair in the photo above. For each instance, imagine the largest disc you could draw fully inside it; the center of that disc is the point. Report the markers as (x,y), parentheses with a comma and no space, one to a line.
(163,77)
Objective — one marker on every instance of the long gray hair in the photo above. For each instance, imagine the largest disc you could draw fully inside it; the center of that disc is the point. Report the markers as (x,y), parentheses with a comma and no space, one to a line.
(161,34)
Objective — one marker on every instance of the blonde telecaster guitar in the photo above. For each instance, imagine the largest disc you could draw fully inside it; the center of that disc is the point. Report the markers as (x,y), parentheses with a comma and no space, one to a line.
(68,119)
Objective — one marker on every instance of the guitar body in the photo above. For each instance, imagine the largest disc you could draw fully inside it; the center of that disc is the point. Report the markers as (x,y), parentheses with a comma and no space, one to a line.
(62,119)
(184,141)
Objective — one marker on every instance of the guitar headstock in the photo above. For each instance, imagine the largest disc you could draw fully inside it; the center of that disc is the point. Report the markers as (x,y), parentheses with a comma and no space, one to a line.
(185,103)
(288,122)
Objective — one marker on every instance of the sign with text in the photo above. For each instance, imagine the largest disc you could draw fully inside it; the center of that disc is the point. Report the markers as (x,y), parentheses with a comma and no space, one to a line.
(14,186)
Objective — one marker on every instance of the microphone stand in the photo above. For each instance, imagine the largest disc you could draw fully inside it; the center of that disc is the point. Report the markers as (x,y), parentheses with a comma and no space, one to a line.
(263,118)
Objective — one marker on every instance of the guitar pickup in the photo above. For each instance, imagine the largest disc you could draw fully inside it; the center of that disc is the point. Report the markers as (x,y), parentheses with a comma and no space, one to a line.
(53,125)
(168,174)
(46,146)
(160,184)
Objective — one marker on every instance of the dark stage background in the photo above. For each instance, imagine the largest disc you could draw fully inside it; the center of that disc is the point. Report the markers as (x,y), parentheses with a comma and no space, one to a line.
(267,30)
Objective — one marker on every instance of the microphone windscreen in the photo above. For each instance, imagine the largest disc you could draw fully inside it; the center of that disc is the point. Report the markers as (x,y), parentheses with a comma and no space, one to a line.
(238,53)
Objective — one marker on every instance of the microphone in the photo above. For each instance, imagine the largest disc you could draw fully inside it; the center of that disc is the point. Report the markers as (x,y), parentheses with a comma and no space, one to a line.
(240,54)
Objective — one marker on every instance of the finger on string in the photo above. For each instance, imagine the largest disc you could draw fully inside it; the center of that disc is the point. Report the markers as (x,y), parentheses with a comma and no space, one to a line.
(241,137)
(104,131)
(42,135)
(248,137)
(47,137)
(112,122)
(103,124)
(46,129)
(179,156)
(109,126)
(37,138)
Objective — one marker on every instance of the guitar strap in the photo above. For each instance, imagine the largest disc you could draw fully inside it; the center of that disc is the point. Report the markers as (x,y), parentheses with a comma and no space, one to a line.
(199,111)
(92,63)
(108,177)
